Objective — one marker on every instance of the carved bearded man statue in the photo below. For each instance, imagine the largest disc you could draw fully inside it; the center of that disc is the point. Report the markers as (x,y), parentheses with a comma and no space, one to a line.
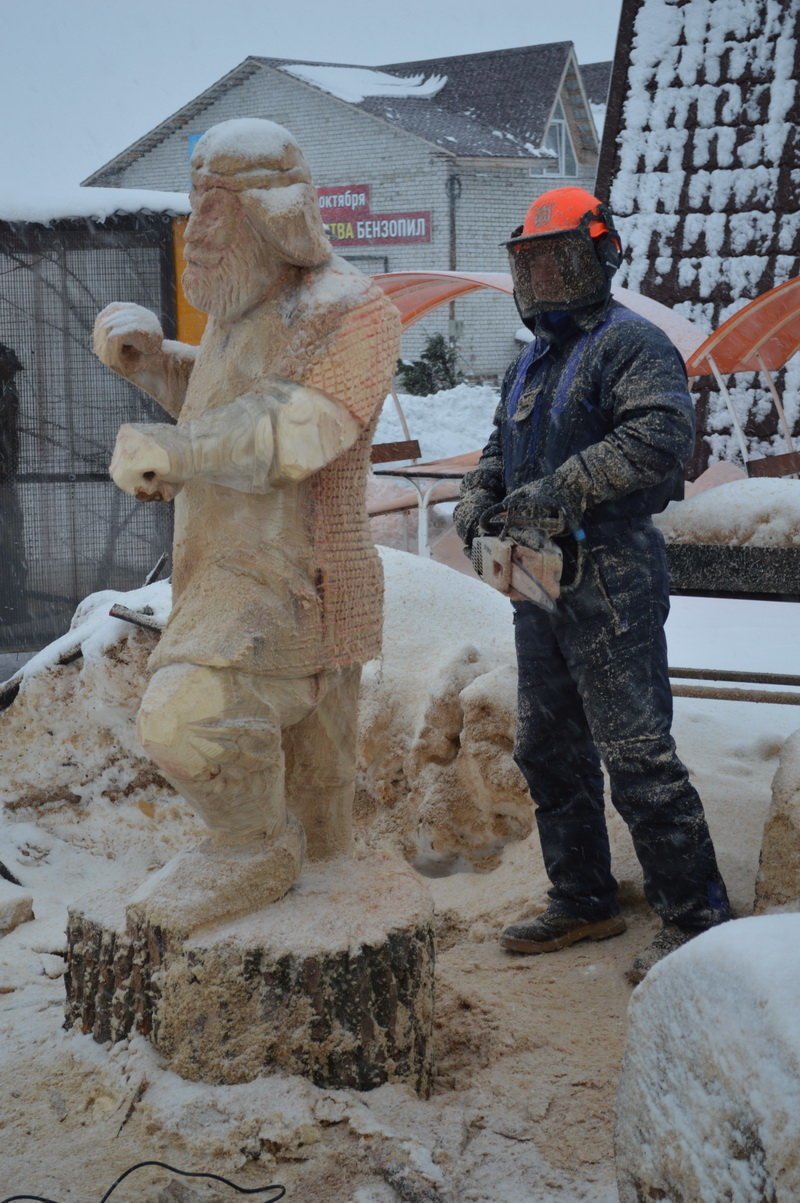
(277,588)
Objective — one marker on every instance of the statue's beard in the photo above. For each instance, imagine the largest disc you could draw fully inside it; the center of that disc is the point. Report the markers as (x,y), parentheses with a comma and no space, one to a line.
(229,289)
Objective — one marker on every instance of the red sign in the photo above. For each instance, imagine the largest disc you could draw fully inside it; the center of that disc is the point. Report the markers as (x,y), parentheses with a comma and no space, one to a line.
(346,212)
(343,202)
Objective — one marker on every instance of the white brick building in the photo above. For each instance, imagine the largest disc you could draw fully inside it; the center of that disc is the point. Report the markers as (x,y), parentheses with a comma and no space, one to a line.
(450,153)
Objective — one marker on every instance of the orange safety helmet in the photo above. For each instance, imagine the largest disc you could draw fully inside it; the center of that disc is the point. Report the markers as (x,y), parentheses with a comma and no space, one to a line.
(564,209)
(564,254)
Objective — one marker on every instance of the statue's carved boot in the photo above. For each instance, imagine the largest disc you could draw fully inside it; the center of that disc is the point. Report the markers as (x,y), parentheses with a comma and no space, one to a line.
(225,877)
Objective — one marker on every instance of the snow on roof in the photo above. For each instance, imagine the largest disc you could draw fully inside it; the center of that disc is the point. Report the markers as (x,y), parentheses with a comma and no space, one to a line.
(94,203)
(355,84)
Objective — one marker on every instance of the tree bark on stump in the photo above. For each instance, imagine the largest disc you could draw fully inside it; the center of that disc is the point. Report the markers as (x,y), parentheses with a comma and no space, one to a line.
(334,982)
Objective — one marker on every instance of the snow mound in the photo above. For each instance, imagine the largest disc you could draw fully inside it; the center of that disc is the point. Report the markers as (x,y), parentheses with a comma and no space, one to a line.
(709,1098)
(754,513)
(69,738)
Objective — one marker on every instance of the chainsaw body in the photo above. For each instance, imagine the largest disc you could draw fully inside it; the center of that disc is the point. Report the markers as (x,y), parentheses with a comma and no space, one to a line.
(523,573)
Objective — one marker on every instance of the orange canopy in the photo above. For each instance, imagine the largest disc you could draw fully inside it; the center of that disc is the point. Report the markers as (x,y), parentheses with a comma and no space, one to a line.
(765,334)
(415,293)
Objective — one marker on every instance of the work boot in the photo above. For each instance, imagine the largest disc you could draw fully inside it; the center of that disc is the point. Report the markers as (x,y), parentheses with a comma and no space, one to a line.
(668,939)
(550,931)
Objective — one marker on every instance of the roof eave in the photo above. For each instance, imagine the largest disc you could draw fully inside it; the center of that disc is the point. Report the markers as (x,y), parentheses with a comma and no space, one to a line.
(176,121)
(502,160)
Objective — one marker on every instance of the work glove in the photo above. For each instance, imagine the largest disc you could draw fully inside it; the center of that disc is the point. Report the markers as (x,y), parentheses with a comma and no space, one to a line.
(467,514)
(541,503)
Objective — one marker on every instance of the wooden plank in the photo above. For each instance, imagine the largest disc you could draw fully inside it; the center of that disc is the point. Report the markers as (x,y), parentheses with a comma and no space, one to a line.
(775,465)
(387,453)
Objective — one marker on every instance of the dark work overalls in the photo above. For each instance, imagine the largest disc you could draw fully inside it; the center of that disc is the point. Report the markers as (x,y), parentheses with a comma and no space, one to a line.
(593,678)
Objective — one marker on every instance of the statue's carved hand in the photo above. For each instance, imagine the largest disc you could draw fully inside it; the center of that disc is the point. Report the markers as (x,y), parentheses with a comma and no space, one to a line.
(140,463)
(127,337)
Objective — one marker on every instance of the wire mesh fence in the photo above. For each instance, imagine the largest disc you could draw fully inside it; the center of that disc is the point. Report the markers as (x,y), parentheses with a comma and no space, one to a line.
(65,529)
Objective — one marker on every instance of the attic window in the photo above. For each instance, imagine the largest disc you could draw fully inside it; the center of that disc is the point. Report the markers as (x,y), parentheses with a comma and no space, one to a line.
(558,140)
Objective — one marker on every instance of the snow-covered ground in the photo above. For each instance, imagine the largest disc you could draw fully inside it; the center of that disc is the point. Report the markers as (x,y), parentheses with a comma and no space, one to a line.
(528,1049)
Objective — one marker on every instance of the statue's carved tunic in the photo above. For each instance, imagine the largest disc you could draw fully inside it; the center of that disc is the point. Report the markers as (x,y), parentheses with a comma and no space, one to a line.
(296,565)
(277,588)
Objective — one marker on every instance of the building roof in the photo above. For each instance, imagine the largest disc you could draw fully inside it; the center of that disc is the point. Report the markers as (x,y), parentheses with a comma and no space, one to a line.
(506,96)
(491,105)
(596,80)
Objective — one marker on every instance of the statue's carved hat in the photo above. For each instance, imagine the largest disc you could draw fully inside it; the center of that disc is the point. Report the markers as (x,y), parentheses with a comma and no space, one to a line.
(262,162)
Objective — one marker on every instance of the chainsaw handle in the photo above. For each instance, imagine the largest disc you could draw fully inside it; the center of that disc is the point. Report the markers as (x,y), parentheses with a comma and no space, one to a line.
(496,515)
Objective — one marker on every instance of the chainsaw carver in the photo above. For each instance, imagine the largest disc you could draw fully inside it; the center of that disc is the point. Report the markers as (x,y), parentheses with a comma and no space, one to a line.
(591,436)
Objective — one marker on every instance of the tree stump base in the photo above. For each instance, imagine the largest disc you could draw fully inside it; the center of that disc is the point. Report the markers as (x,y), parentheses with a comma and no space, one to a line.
(334,982)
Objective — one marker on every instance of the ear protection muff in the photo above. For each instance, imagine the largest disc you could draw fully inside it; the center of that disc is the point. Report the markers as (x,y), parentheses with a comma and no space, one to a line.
(609,253)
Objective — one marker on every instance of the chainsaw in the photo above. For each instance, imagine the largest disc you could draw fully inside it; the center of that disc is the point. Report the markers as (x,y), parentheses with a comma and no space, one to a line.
(526,566)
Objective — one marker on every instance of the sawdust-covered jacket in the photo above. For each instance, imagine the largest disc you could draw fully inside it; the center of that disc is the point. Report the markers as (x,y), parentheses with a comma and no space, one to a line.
(605,415)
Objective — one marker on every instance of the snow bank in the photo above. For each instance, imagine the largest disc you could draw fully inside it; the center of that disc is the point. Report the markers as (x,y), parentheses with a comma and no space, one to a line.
(754,513)
(446,423)
(709,1097)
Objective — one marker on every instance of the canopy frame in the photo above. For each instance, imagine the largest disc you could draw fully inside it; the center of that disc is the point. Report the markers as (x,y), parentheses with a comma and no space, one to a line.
(770,321)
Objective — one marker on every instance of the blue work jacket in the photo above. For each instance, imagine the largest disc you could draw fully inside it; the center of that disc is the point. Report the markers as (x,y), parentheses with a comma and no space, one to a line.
(606,412)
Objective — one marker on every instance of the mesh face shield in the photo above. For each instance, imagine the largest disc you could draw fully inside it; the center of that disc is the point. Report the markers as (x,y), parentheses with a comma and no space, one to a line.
(556,272)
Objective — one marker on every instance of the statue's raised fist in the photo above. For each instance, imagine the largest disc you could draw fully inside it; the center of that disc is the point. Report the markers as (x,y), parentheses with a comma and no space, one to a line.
(126,336)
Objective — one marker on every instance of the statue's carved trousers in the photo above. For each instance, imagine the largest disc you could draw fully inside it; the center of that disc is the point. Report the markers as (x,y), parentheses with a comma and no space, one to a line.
(593,684)
(243,747)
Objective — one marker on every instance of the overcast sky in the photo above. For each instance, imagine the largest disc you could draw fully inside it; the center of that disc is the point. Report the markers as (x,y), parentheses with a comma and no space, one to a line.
(82,79)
